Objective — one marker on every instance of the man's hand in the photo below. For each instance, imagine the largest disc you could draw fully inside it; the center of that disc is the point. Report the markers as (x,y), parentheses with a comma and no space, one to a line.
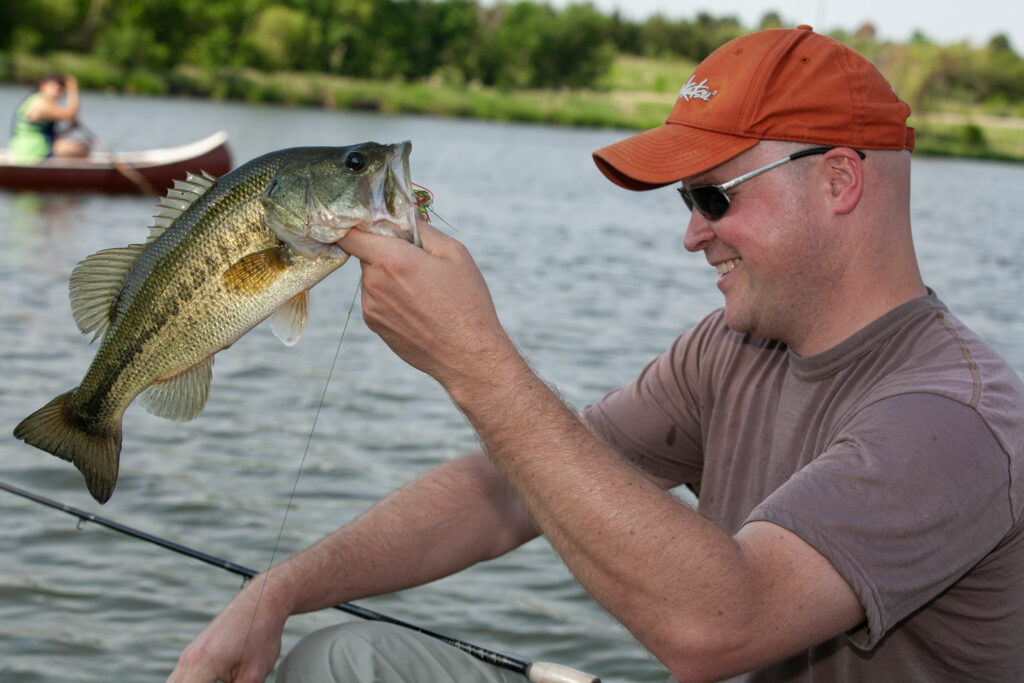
(235,647)
(430,305)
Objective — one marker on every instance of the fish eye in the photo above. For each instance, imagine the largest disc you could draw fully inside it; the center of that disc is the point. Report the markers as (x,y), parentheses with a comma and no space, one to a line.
(355,161)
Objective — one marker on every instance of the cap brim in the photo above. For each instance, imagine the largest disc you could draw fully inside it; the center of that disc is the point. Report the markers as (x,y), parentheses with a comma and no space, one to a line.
(667,154)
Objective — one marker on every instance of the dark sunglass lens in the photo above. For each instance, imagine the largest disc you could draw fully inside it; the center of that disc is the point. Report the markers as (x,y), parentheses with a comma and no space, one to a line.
(686,198)
(710,200)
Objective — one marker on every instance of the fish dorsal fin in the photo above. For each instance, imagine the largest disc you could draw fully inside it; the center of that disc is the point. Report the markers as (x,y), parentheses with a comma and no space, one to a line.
(253,273)
(181,397)
(95,283)
(289,322)
(179,198)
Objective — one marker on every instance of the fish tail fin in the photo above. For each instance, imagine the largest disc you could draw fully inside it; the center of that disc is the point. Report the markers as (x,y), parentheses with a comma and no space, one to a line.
(54,429)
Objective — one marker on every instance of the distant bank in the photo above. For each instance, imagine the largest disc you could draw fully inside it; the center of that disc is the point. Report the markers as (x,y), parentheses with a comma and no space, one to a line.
(638,94)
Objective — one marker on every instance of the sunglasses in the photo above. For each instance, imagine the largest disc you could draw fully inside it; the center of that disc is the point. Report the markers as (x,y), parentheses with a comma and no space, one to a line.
(712,200)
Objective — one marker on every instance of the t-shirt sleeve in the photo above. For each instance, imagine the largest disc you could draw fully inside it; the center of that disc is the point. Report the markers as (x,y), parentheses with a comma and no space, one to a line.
(879,504)
(655,420)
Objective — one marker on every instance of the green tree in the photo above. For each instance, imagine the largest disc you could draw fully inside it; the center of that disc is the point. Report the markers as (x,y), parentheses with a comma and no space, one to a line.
(388,43)
(919,38)
(454,33)
(39,26)
(625,35)
(512,34)
(339,22)
(713,32)
(159,34)
(510,44)
(128,39)
(771,20)
(660,37)
(1000,44)
(213,32)
(280,37)
(575,50)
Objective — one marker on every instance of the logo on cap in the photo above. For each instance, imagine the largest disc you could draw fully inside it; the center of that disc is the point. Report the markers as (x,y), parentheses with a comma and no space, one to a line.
(696,91)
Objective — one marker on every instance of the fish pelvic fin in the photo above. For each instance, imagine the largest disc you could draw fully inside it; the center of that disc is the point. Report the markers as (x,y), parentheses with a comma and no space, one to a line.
(289,321)
(181,397)
(54,429)
(255,272)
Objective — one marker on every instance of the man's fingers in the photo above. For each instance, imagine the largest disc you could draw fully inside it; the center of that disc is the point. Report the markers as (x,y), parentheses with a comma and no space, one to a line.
(431,236)
(365,246)
(370,247)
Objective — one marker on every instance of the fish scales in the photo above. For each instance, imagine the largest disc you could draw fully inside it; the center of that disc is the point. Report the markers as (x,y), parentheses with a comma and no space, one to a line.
(145,305)
(167,331)
(226,255)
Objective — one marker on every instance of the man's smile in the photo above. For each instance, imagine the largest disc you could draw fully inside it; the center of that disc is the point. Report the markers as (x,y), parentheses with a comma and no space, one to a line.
(726,266)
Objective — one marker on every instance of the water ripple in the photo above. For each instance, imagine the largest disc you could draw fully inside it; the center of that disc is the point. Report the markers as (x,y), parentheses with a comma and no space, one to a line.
(590,281)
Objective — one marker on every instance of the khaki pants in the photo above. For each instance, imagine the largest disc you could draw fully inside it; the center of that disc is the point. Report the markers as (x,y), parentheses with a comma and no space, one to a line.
(372,652)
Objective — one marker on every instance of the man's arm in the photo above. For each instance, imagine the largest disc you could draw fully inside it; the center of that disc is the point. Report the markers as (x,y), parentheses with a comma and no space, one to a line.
(451,518)
(706,604)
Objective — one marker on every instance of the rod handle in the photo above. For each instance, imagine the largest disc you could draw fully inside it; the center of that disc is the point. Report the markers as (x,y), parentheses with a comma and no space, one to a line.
(546,672)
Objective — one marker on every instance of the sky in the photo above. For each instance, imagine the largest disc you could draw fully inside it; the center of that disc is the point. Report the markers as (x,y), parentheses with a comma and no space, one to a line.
(942,21)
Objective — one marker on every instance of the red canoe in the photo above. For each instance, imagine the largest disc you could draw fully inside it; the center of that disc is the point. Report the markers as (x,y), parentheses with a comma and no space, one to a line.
(152,170)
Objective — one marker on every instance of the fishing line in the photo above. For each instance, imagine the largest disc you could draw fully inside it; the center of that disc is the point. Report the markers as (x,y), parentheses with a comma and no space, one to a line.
(536,672)
(424,200)
(302,462)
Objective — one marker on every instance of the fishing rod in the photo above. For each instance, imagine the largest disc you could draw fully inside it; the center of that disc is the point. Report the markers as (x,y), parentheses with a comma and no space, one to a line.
(537,672)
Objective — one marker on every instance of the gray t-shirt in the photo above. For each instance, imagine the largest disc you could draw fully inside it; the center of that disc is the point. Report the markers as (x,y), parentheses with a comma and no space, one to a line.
(898,455)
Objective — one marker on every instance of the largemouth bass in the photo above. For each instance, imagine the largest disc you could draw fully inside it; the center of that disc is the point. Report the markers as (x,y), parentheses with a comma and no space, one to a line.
(223,255)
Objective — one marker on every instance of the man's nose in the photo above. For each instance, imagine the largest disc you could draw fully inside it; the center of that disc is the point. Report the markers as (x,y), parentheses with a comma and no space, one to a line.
(699,232)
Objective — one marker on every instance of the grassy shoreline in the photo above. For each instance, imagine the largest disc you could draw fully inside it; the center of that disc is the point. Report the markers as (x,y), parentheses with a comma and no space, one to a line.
(638,95)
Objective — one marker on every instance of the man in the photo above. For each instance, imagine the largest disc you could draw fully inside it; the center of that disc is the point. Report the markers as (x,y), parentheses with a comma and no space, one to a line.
(858,451)
(34,135)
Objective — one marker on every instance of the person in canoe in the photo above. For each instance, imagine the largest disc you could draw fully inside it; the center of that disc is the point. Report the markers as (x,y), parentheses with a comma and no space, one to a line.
(35,133)
(857,450)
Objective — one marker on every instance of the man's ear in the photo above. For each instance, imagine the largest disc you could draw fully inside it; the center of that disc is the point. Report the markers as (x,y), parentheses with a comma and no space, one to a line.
(846,179)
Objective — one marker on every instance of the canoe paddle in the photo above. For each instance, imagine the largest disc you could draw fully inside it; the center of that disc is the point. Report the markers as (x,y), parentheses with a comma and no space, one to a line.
(124,169)
(537,672)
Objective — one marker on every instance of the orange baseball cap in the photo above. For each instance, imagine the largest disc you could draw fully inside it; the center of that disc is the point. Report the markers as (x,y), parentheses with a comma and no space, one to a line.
(778,84)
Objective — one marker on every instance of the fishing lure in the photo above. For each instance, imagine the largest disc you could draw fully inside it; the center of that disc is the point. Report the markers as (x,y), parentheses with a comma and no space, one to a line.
(423,199)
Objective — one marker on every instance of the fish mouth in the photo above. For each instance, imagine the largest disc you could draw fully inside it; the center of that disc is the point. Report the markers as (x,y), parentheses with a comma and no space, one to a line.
(387,198)
(314,201)
(393,208)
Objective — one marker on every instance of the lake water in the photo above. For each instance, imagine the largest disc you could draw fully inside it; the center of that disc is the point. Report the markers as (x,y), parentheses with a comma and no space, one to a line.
(590,280)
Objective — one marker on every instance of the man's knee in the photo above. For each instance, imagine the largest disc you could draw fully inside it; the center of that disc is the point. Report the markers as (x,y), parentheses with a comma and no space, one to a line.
(382,653)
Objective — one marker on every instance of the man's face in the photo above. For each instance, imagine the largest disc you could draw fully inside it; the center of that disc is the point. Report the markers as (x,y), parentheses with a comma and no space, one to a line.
(774,265)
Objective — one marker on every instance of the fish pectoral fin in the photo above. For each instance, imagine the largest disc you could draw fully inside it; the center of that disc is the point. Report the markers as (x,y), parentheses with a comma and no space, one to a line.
(181,397)
(255,272)
(95,283)
(289,322)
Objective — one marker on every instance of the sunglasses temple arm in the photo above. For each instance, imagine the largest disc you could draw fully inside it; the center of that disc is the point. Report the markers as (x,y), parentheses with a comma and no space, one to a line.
(753,174)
